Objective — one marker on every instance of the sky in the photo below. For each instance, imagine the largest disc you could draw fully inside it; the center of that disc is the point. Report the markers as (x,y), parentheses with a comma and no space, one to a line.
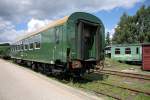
(19,17)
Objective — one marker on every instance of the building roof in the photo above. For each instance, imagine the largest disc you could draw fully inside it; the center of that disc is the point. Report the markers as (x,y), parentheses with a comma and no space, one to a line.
(145,44)
(125,45)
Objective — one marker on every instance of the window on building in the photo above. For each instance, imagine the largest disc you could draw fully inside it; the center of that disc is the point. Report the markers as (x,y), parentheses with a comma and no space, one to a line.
(137,50)
(117,50)
(127,51)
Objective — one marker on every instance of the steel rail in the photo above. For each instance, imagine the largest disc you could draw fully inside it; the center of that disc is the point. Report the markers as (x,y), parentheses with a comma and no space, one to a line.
(126,74)
(130,89)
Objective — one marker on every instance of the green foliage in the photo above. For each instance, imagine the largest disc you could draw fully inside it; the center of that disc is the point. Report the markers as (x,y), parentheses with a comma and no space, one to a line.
(133,29)
(108,39)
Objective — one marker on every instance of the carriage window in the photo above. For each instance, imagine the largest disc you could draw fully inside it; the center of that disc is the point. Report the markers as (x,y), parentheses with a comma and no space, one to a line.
(12,48)
(127,51)
(20,47)
(117,50)
(137,50)
(37,45)
(17,47)
(31,46)
(26,44)
(57,36)
(26,47)
(37,41)
(31,43)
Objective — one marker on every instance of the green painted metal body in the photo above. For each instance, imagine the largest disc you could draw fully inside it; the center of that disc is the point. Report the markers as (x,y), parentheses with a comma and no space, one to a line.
(134,56)
(54,44)
(4,50)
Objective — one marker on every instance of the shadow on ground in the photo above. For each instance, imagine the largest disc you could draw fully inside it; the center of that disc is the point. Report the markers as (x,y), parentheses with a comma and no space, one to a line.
(67,79)
(85,79)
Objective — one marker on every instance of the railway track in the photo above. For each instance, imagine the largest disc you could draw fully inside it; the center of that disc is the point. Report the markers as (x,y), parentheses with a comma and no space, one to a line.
(101,93)
(124,88)
(126,74)
(123,74)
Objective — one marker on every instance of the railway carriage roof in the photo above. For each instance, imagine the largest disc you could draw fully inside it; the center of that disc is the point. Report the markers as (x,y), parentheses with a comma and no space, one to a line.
(51,24)
(125,45)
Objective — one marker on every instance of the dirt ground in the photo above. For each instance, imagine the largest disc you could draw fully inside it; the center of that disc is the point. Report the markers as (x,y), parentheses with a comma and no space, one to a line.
(18,83)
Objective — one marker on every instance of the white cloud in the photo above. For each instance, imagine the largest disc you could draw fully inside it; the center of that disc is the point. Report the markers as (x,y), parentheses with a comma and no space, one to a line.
(9,34)
(111,4)
(111,31)
(30,11)
(18,10)
(35,24)
(5,25)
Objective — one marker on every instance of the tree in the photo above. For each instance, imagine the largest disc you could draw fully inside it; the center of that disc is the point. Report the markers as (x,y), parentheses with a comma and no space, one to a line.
(108,39)
(133,29)
(121,32)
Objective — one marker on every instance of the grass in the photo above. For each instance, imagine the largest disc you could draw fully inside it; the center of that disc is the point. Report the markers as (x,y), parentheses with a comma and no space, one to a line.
(95,85)
(115,65)
(109,63)
(135,84)
(93,82)
(141,97)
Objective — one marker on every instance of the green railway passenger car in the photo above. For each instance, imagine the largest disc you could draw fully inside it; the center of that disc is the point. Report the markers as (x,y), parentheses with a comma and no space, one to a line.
(73,44)
(4,50)
(127,52)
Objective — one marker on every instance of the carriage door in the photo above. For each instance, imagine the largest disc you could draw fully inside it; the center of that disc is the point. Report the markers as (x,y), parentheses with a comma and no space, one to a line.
(86,34)
(146,56)
(57,44)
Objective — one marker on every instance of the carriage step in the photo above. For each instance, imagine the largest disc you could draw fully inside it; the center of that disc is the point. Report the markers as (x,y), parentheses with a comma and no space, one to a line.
(60,66)
(57,71)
